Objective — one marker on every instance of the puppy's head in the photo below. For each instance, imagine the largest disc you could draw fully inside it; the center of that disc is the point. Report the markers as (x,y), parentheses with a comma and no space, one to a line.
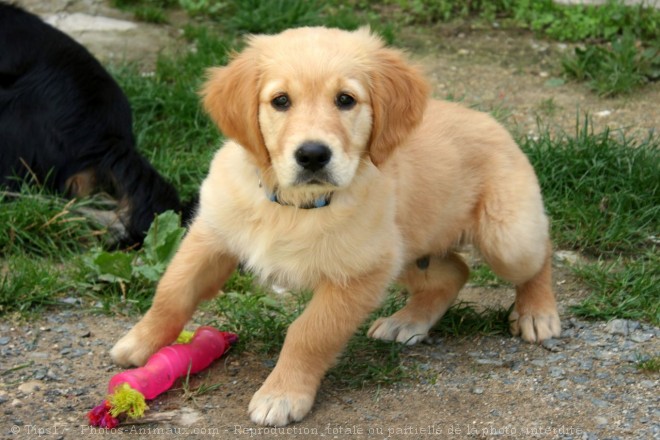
(310,103)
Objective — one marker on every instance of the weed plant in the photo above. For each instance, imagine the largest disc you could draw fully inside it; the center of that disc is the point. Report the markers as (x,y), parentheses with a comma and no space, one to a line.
(619,68)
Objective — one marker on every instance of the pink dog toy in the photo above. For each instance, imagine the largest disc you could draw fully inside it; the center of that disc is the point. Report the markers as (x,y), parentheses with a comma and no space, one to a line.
(129,390)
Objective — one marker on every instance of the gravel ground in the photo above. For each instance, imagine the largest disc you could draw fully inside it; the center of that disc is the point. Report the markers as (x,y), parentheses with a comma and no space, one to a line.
(585,385)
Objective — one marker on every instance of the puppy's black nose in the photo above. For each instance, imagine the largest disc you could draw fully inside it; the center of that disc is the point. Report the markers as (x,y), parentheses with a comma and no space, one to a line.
(313,156)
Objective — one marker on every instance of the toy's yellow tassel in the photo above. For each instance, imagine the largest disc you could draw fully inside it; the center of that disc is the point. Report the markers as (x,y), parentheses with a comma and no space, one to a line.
(127,400)
(185,337)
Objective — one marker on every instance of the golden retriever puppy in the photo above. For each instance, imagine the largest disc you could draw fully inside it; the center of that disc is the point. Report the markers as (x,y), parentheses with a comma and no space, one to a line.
(341,175)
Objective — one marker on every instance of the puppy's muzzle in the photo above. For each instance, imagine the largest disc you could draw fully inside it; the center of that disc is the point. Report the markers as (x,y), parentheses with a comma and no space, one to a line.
(313,156)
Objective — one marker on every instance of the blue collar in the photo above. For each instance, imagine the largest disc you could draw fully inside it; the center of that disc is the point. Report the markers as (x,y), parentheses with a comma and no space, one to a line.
(318,203)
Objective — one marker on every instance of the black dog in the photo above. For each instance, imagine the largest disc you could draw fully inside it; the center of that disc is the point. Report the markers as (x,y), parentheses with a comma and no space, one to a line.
(66,123)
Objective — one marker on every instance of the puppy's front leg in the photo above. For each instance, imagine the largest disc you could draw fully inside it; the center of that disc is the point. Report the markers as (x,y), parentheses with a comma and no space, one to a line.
(312,344)
(197,272)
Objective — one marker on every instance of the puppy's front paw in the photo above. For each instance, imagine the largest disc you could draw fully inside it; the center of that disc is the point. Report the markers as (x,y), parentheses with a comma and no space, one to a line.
(535,326)
(399,330)
(275,407)
(135,348)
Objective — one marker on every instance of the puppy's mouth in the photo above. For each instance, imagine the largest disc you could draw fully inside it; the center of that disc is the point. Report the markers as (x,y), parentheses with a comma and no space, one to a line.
(315,178)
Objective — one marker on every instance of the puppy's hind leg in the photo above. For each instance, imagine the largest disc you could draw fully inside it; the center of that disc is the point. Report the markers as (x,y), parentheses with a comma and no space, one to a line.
(534,316)
(433,285)
(197,272)
(516,245)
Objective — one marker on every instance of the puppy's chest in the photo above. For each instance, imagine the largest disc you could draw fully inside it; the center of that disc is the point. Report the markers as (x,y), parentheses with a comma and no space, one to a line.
(299,250)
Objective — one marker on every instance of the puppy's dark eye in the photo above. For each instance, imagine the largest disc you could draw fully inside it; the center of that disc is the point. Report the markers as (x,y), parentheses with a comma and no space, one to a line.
(344,101)
(281,102)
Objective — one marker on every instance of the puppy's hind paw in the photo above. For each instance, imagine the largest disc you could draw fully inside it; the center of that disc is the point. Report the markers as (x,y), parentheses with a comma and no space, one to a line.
(535,327)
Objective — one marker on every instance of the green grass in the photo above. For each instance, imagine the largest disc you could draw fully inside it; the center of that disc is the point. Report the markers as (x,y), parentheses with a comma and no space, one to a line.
(29,284)
(482,275)
(42,224)
(651,365)
(170,126)
(269,17)
(261,319)
(251,311)
(623,288)
(602,190)
(150,11)
(463,319)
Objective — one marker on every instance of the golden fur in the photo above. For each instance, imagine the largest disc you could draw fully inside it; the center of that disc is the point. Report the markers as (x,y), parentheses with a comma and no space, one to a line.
(408,177)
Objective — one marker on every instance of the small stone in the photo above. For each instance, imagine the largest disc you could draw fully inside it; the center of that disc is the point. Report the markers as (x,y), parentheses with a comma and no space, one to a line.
(648,384)
(30,387)
(617,327)
(4,340)
(557,357)
(552,344)
(601,420)
(576,323)
(494,362)
(568,257)
(641,337)
(517,366)
(538,363)
(600,403)
(604,355)
(477,391)
(52,376)
(16,402)
(78,352)
(557,372)
(70,301)
(586,364)
(580,379)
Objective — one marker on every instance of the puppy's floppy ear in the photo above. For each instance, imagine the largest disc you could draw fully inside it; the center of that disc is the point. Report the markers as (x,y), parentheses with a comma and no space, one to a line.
(399,95)
(231,97)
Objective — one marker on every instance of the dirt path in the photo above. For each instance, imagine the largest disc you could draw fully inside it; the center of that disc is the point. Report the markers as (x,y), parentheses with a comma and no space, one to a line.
(515,76)
(582,386)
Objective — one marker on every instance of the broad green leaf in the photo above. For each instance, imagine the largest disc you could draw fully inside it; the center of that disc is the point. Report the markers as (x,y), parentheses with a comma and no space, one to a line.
(163,238)
(150,272)
(114,267)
